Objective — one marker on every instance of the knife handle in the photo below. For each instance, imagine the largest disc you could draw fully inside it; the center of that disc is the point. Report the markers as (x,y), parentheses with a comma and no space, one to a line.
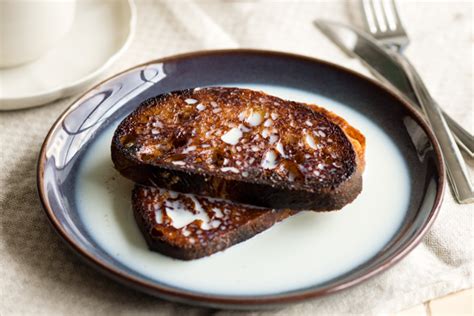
(463,138)
(455,164)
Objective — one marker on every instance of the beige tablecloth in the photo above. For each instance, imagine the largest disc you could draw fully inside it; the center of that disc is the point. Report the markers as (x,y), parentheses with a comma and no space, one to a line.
(39,275)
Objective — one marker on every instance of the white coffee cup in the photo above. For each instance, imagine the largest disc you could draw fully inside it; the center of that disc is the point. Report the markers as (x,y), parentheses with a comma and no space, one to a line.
(29,28)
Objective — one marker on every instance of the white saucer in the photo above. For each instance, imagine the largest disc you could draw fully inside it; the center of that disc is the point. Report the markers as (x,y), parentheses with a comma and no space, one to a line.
(101,31)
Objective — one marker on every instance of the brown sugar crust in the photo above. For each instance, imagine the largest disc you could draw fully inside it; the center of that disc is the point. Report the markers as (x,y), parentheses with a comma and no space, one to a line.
(242,145)
(218,224)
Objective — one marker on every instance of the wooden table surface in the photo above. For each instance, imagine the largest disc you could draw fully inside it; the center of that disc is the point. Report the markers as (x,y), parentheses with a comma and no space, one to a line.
(460,303)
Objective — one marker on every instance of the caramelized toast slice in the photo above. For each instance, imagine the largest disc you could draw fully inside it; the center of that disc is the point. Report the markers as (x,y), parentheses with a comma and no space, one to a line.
(242,145)
(187,226)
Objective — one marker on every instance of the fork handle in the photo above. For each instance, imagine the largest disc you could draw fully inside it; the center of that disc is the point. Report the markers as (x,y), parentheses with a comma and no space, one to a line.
(463,138)
(455,164)
(406,91)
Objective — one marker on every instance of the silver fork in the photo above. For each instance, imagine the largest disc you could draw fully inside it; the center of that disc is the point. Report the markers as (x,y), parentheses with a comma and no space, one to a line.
(384,24)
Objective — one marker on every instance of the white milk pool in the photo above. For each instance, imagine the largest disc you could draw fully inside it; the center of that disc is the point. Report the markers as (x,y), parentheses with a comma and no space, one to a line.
(304,250)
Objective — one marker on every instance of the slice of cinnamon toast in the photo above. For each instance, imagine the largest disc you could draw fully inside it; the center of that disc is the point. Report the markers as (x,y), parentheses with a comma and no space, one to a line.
(242,145)
(187,226)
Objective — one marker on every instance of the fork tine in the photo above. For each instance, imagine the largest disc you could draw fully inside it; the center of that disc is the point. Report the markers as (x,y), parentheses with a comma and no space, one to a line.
(379,14)
(369,16)
(389,11)
(375,16)
(397,20)
(393,19)
(384,24)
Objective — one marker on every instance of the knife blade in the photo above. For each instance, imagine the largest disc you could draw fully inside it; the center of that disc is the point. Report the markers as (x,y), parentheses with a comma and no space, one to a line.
(384,66)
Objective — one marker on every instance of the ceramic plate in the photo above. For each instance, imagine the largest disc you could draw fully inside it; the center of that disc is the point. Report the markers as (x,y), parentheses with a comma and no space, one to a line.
(308,255)
(101,31)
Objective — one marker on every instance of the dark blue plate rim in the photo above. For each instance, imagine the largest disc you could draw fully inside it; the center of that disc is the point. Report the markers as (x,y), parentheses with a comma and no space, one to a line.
(243,302)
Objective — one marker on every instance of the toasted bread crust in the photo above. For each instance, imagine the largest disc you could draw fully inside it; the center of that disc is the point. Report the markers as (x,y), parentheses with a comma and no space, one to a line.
(323,173)
(355,136)
(228,223)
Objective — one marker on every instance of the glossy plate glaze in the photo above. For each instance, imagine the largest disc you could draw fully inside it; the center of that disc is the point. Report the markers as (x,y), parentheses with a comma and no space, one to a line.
(89,203)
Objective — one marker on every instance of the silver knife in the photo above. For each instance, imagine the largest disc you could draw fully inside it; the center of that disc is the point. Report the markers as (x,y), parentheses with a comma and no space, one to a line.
(359,44)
